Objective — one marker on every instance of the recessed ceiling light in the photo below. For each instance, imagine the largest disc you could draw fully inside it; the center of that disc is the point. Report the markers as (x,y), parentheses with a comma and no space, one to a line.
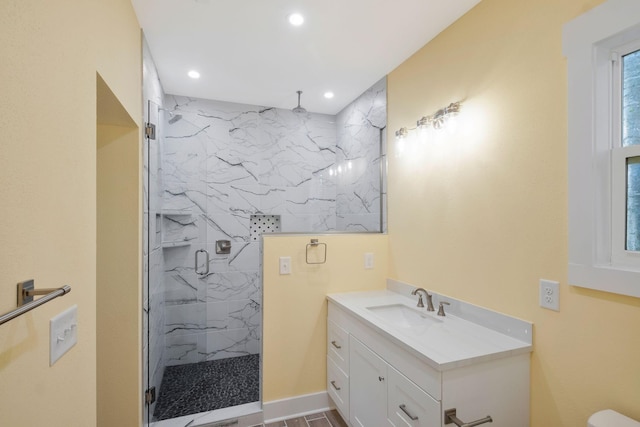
(194,74)
(296,19)
(329,95)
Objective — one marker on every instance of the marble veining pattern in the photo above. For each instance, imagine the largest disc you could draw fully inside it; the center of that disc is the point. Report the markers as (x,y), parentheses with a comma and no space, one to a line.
(359,162)
(224,162)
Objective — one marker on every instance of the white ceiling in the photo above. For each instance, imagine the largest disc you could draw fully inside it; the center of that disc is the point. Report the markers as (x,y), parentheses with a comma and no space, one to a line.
(247,52)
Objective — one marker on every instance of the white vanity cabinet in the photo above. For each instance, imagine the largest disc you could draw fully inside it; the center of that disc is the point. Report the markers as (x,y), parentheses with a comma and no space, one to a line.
(384,383)
(379,392)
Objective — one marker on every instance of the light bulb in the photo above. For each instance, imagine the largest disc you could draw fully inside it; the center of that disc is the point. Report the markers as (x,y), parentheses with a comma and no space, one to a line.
(296,19)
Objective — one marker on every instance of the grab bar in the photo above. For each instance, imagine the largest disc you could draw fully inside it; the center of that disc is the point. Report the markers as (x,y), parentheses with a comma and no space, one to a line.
(26,303)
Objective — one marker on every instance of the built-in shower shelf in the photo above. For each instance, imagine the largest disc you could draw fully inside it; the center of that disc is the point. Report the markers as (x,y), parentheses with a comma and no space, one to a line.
(176,212)
(175,244)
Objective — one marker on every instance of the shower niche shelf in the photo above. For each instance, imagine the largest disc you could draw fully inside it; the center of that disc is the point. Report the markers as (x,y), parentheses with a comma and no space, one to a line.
(176,213)
(167,245)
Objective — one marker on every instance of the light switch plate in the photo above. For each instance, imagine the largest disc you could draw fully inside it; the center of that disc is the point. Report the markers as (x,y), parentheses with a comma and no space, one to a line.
(63,333)
(368,261)
(285,265)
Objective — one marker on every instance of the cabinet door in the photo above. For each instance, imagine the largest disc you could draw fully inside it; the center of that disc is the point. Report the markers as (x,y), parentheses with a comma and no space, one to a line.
(408,404)
(367,386)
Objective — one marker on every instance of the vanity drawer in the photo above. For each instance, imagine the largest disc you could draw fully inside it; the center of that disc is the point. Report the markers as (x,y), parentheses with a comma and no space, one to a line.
(338,387)
(338,346)
(408,404)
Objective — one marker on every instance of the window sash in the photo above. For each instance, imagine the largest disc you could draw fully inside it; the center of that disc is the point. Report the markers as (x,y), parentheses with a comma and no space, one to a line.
(620,256)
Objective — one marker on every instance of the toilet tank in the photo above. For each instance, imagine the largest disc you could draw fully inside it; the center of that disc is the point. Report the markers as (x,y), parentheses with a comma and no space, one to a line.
(609,418)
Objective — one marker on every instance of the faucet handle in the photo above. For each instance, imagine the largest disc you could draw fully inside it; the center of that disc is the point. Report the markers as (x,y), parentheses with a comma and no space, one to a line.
(441,308)
(420,301)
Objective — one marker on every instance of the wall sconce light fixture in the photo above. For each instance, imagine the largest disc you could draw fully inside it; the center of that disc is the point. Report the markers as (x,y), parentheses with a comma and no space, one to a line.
(441,117)
(438,120)
(402,133)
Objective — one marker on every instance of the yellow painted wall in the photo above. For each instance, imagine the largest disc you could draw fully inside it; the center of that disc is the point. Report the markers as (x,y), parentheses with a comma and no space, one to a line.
(50,54)
(295,307)
(488,214)
(118,296)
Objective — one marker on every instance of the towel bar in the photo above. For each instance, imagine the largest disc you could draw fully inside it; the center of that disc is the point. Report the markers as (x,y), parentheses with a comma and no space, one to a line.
(26,303)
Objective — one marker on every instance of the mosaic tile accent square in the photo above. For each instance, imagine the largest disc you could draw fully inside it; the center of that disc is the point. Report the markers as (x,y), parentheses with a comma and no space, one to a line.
(261,224)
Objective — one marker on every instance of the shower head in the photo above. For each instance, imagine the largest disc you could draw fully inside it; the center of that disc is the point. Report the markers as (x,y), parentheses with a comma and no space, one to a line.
(299,109)
(174,118)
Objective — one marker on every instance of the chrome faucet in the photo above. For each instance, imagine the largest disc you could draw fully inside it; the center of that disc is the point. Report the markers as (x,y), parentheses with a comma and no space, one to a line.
(420,302)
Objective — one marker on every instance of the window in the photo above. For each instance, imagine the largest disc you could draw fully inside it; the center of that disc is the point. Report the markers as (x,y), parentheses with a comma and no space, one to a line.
(625,117)
(602,48)
(630,122)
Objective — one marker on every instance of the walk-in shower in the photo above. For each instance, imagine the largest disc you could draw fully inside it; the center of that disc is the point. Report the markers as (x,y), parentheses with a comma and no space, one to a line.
(218,176)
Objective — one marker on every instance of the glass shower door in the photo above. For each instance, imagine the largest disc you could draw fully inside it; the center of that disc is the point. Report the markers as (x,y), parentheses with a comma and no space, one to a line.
(153,332)
(207,359)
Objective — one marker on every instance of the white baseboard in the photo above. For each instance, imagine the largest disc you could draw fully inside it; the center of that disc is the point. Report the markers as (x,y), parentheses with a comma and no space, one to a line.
(298,406)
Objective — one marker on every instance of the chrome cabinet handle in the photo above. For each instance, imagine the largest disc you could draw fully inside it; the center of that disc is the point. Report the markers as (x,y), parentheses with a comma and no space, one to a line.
(404,409)
(333,383)
(450,417)
(336,345)
(206,270)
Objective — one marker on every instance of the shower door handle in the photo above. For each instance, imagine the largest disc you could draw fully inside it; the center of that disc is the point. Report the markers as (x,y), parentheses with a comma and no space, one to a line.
(206,270)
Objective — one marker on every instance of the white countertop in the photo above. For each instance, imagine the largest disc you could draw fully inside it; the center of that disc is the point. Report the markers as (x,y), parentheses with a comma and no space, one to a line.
(452,343)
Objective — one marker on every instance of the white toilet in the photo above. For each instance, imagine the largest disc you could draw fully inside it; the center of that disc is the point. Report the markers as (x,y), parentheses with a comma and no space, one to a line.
(609,418)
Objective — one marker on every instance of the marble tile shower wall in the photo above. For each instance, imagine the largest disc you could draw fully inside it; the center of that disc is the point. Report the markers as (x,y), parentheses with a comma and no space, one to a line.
(359,201)
(222,163)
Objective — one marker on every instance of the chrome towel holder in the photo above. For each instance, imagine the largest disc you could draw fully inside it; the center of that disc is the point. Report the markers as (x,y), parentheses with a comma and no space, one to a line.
(26,303)
(313,245)
(450,417)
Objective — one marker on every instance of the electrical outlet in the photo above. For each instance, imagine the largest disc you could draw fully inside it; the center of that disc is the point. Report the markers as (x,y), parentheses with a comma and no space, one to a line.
(368,261)
(285,265)
(550,294)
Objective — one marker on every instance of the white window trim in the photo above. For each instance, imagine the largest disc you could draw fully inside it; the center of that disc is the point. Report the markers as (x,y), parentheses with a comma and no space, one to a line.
(587,43)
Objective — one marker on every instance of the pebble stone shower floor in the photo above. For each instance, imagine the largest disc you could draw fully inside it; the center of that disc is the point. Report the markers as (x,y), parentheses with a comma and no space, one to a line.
(206,386)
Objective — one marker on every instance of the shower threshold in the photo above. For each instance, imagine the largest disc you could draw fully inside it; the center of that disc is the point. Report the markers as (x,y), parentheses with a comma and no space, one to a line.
(246,415)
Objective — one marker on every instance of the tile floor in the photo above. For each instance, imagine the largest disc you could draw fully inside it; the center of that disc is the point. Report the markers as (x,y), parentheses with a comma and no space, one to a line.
(321,419)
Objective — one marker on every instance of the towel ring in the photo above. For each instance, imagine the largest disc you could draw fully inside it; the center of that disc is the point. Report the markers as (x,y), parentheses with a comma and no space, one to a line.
(314,244)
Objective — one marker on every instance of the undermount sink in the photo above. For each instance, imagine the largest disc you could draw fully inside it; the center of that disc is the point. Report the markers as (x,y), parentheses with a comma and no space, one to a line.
(404,317)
